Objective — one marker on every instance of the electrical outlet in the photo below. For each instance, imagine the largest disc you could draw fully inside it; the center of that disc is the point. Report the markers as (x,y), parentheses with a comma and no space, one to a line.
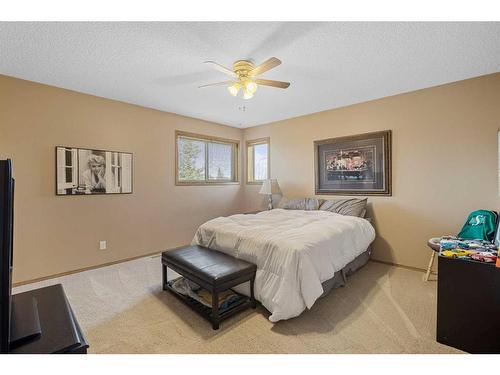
(102,245)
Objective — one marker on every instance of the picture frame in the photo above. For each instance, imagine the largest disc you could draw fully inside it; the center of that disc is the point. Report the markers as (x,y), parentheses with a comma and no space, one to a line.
(86,171)
(354,165)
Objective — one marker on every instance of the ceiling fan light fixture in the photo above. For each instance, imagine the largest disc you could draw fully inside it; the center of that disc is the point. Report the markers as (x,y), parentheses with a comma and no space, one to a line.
(246,77)
(234,89)
(251,87)
(247,94)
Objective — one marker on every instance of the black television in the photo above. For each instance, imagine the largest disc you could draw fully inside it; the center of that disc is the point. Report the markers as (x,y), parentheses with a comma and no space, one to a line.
(6,251)
(19,320)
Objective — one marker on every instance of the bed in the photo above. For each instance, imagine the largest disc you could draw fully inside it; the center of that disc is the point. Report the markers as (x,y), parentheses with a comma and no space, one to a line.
(299,254)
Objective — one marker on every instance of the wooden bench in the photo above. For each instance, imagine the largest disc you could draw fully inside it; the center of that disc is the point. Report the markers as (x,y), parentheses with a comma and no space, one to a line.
(214,271)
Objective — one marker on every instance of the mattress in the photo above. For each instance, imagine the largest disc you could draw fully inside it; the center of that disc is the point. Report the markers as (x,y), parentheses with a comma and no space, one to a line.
(295,252)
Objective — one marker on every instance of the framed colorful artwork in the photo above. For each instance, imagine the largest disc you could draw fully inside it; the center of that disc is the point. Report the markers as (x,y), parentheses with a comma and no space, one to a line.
(354,165)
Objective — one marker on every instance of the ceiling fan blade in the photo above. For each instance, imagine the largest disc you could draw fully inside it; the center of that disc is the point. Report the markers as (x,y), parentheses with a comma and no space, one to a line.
(225,83)
(270,82)
(265,66)
(221,68)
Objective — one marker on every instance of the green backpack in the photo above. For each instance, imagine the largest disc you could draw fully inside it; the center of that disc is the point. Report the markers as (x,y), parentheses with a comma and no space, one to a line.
(480,225)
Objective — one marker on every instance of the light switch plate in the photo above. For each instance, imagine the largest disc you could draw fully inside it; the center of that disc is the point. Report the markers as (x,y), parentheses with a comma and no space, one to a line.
(102,245)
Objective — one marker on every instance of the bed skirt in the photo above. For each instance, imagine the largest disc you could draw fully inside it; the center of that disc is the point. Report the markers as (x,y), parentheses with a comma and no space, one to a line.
(337,280)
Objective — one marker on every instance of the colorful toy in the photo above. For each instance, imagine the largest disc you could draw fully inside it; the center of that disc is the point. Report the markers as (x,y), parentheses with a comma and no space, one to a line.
(448,244)
(457,253)
(484,256)
(463,245)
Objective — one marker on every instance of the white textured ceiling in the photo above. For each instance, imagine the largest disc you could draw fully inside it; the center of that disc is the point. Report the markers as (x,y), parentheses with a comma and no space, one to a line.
(333,64)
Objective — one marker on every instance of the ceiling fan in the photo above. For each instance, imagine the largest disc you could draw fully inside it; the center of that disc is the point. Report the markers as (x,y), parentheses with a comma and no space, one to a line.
(245,76)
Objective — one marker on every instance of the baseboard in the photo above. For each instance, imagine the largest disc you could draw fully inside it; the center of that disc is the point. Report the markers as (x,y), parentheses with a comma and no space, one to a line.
(400,265)
(157,254)
(83,269)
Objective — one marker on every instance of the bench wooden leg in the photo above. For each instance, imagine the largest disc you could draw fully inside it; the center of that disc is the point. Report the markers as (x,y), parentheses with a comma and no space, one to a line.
(215,309)
(164,276)
(252,295)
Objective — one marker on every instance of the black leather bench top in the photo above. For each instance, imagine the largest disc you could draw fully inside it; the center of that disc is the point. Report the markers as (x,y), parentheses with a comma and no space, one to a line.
(211,266)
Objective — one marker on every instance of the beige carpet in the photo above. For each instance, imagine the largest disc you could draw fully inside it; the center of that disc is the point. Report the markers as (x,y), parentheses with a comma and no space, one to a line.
(383,309)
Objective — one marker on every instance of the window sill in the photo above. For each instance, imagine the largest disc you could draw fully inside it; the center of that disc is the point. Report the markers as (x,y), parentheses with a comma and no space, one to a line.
(255,182)
(204,183)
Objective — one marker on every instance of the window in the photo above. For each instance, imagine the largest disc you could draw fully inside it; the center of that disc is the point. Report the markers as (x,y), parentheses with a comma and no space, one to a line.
(204,160)
(258,163)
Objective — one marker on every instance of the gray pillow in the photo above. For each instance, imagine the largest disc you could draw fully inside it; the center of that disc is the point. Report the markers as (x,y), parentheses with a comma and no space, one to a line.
(301,204)
(348,207)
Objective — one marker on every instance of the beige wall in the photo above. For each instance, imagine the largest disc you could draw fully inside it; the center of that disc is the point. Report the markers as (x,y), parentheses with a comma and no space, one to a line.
(445,161)
(445,164)
(55,234)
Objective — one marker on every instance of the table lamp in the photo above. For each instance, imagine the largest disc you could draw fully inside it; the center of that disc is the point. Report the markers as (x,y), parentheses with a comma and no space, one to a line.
(270,187)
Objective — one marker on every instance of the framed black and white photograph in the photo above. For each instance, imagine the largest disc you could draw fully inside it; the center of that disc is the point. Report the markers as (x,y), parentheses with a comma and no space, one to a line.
(81,171)
(354,165)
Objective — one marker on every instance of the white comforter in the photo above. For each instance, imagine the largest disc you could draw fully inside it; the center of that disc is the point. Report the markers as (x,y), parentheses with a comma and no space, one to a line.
(295,251)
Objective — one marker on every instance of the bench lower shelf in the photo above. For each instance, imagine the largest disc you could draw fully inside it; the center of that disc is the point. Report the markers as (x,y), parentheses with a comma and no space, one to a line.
(207,312)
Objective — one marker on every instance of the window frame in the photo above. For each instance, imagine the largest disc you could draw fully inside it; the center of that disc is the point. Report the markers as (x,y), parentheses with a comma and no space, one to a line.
(235,144)
(250,167)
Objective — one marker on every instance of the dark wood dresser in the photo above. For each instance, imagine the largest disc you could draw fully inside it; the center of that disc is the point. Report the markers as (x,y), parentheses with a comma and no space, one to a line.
(468,308)
(60,331)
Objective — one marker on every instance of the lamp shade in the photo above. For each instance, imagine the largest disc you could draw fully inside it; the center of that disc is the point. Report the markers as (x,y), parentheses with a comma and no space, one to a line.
(270,187)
